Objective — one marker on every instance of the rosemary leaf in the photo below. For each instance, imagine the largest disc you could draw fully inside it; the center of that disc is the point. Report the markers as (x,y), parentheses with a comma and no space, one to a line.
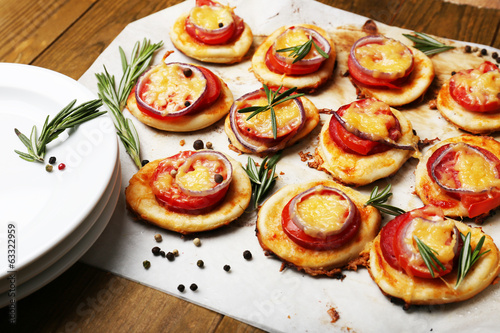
(468,257)
(429,256)
(427,44)
(299,52)
(262,178)
(378,201)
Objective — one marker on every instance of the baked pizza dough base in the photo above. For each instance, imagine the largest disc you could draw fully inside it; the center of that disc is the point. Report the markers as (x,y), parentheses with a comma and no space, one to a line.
(429,191)
(312,120)
(414,290)
(303,82)
(142,201)
(273,239)
(473,122)
(357,170)
(420,79)
(221,54)
(189,122)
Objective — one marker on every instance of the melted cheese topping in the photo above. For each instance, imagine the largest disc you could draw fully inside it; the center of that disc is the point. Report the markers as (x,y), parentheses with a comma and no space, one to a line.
(482,87)
(322,213)
(436,235)
(209,17)
(168,89)
(163,182)
(199,175)
(389,57)
(474,171)
(294,36)
(369,119)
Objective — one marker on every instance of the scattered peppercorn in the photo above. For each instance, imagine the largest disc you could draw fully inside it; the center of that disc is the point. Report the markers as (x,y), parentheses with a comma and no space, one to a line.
(187,72)
(200,263)
(187,103)
(193,286)
(173,172)
(170,256)
(227,268)
(61,166)
(146,264)
(468,49)
(484,52)
(162,253)
(218,178)
(144,162)
(221,24)
(209,145)
(197,241)
(156,250)
(52,160)
(453,73)
(158,238)
(48,168)
(181,288)
(198,144)
(247,255)
(175,252)
(494,55)
(498,60)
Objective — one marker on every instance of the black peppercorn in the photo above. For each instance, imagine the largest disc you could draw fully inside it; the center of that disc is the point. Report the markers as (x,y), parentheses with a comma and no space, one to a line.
(187,103)
(468,49)
(498,60)
(227,268)
(193,286)
(494,55)
(247,255)
(170,256)
(156,250)
(453,73)
(218,178)
(200,263)
(144,162)
(52,160)
(484,52)
(162,253)
(187,72)
(181,288)
(198,144)
(221,24)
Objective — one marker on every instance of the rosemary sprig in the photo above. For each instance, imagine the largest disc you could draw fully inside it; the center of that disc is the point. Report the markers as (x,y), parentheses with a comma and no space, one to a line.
(468,257)
(262,178)
(300,51)
(427,44)
(116,98)
(68,117)
(273,99)
(378,200)
(429,256)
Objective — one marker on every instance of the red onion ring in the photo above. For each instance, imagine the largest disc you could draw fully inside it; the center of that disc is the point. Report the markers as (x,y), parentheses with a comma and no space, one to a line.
(379,39)
(182,112)
(317,37)
(259,146)
(203,154)
(302,225)
(460,190)
(371,137)
(215,34)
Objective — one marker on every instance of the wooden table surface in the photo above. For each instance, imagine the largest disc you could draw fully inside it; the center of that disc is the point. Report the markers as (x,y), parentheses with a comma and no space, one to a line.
(67,36)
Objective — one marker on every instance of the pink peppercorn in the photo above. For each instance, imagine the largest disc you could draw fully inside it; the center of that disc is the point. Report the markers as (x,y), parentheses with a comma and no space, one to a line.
(61,166)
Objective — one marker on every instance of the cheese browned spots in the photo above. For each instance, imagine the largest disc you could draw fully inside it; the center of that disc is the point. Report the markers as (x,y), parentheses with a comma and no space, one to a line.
(210,17)
(368,118)
(482,87)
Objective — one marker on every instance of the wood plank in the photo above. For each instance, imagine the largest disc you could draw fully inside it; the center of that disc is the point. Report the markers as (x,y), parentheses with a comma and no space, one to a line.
(383,11)
(478,3)
(229,324)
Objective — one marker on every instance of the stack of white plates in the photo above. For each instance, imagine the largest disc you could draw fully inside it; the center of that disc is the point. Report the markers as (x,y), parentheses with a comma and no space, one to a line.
(50,219)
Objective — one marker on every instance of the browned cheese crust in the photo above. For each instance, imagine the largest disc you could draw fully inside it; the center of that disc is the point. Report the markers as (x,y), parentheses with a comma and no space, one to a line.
(142,201)
(429,192)
(473,122)
(221,54)
(303,82)
(273,239)
(190,122)
(414,290)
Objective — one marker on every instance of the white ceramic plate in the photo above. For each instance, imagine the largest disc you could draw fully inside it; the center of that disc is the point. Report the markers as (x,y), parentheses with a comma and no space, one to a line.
(46,207)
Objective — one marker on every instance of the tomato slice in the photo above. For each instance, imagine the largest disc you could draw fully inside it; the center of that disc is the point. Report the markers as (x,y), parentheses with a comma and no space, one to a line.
(281,67)
(302,239)
(172,196)
(478,89)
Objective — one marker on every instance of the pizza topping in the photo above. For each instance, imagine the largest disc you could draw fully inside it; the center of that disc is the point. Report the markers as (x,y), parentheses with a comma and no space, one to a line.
(166,91)
(321,218)
(477,89)
(380,61)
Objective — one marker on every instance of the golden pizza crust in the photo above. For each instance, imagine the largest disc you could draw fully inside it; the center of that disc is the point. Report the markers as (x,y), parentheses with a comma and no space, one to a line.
(274,240)
(311,121)
(419,80)
(189,122)
(303,82)
(357,170)
(474,122)
(142,201)
(414,290)
(429,192)
(221,54)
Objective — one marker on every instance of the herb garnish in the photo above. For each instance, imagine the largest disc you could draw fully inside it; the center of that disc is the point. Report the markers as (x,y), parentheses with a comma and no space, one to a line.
(68,117)
(262,178)
(378,201)
(427,44)
(428,254)
(300,51)
(115,99)
(468,257)
(273,99)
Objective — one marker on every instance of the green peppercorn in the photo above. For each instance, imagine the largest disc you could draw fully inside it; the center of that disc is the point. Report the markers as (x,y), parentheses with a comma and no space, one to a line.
(218,178)
(144,162)
(181,288)
(48,168)
(197,241)
(198,144)
(173,172)
(200,263)
(146,264)
(170,256)
(247,255)
(175,252)
(158,238)
(193,286)
(156,250)
(209,145)
(227,268)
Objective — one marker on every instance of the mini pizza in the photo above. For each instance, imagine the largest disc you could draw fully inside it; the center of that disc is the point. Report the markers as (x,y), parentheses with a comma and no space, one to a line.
(301,56)
(249,133)
(211,32)
(470,99)
(365,141)
(388,70)
(461,175)
(190,191)
(397,258)
(318,227)
(179,97)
